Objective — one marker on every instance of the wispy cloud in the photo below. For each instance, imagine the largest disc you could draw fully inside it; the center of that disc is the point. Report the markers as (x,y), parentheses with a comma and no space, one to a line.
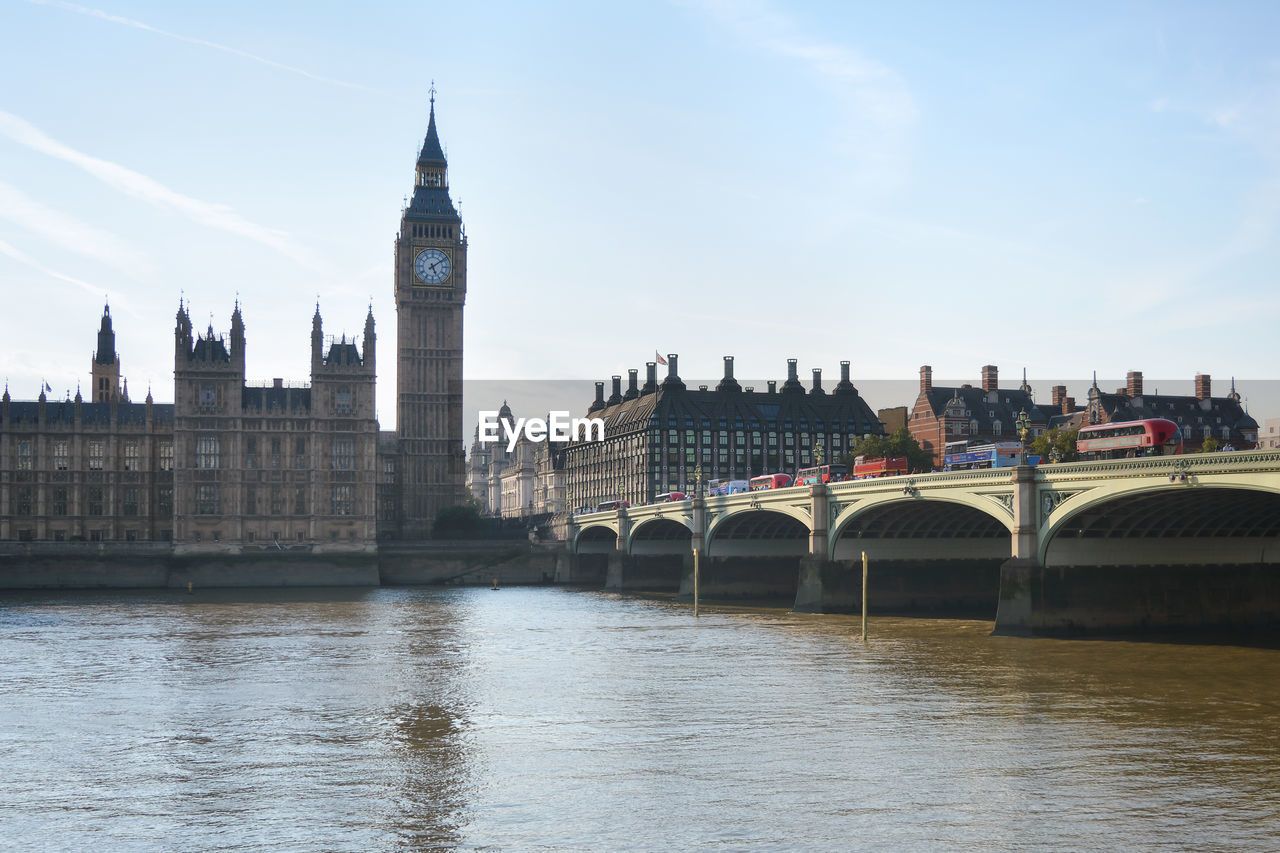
(23,258)
(212,45)
(72,235)
(212,215)
(880,110)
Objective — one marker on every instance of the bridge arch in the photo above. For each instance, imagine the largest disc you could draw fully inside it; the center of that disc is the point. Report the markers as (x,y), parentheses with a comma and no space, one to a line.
(1224,520)
(981,517)
(781,525)
(592,538)
(929,517)
(660,534)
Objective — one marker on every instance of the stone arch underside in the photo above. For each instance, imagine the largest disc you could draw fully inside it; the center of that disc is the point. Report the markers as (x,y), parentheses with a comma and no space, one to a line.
(763,532)
(660,536)
(921,529)
(1169,526)
(596,539)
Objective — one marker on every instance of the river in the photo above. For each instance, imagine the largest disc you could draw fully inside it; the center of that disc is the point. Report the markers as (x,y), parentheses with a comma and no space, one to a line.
(555,720)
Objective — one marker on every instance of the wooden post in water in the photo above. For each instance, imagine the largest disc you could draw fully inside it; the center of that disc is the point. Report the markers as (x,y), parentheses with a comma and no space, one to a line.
(864,596)
(696,556)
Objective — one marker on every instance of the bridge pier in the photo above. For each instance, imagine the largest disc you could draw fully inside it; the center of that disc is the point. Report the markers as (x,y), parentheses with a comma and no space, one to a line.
(1014,608)
(828,586)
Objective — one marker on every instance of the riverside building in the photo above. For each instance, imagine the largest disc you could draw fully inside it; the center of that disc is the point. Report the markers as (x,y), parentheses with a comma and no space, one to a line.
(240,465)
(661,437)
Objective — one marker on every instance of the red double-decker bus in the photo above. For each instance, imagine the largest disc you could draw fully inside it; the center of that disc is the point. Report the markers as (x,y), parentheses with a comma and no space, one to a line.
(820,473)
(1152,437)
(765,482)
(889,466)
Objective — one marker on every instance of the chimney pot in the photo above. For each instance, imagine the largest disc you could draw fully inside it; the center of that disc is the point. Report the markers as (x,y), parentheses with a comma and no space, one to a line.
(926,379)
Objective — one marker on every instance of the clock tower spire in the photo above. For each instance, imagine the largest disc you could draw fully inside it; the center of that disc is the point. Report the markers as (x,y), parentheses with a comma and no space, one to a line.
(430,289)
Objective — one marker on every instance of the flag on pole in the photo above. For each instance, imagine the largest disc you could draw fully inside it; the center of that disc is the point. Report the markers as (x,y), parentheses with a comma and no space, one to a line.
(659,358)
(48,387)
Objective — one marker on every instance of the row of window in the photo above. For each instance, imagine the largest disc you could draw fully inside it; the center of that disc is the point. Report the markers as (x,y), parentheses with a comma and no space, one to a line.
(208,500)
(95,455)
(209,453)
(95,504)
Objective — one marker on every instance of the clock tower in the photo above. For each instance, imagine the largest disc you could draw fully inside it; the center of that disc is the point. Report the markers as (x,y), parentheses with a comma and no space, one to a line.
(431,288)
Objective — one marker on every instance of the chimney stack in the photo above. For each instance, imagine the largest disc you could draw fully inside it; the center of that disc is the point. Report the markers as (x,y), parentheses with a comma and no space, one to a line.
(1203,386)
(616,397)
(633,389)
(773,386)
(651,377)
(599,403)
(817,381)
(990,378)
(1059,394)
(926,379)
(1133,383)
(1068,405)
(728,383)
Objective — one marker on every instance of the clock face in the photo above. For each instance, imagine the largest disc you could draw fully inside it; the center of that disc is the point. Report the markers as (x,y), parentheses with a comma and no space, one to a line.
(431,266)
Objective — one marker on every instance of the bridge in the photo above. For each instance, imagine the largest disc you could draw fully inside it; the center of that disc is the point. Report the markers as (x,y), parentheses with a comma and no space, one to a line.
(1190,541)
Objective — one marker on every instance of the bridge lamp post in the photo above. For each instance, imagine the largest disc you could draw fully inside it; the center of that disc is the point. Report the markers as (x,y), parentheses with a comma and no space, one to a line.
(817,458)
(1022,424)
(697,480)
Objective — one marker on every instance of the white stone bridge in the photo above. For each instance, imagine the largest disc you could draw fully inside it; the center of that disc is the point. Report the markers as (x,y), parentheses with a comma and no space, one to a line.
(1159,542)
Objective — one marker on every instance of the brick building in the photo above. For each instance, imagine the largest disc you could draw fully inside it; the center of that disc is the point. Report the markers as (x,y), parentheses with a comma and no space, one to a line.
(943,414)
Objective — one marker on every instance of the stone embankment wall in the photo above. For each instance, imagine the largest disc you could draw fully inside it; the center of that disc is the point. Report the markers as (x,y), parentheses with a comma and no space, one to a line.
(121,565)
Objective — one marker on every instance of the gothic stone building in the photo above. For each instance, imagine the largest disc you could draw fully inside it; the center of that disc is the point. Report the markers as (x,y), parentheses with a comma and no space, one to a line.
(90,471)
(658,438)
(229,466)
(273,465)
(234,464)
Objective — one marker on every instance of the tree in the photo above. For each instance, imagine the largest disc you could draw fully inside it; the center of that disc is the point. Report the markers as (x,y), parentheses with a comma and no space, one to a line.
(1064,441)
(1210,445)
(899,444)
(458,522)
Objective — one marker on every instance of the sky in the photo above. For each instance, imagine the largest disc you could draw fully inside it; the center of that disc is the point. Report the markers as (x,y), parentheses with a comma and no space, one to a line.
(1060,188)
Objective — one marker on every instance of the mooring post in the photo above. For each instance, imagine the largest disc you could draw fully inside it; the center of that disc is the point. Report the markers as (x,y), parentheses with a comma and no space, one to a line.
(696,560)
(864,596)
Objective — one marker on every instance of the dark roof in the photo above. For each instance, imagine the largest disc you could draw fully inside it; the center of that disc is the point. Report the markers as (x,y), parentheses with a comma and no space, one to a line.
(282,399)
(431,204)
(674,406)
(210,349)
(1215,412)
(91,414)
(106,353)
(1007,405)
(431,154)
(343,352)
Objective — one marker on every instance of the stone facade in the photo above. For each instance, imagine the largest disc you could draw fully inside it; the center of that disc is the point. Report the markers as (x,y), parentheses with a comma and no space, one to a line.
(525,482)
(234,465)
(275,465)
(430,288)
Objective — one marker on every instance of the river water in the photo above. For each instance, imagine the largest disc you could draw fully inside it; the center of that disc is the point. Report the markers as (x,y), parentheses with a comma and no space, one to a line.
(545,719)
